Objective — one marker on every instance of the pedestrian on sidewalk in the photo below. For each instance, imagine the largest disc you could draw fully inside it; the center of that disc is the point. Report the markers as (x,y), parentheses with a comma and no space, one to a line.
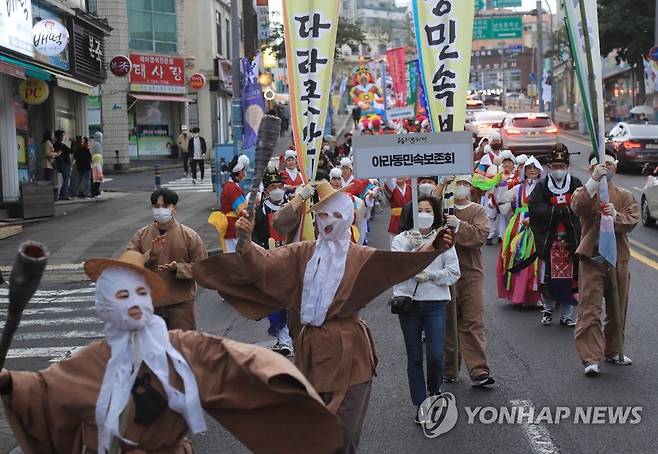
(63,164)
(471,227)
(429,295)
(327,281)
(143,388)
(597,337)
(183,143)
(82,157)
(96,174)
(47,156)
(196,149)
(170,249)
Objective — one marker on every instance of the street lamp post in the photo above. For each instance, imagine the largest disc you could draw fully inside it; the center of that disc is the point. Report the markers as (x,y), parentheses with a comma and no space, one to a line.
(540,56)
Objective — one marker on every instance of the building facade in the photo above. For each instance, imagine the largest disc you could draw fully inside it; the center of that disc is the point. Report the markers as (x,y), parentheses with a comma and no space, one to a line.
(40,93)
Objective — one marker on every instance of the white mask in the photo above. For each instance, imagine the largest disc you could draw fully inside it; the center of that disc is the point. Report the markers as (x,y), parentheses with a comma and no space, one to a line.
(114,311)
(559,174)
(162,215)
(425,220)
(341,226)
(425,189)
(276,195)
(462,192)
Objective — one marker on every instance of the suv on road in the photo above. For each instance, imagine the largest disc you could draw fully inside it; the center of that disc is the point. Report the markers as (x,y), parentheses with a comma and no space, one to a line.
(529,133)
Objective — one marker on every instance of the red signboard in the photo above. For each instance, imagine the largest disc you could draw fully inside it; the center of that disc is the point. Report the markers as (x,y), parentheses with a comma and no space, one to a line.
(120,66)
(197,81)
(157,70)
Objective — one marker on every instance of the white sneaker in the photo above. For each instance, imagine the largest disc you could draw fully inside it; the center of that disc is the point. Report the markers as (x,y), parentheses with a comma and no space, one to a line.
(193,181)
(592,370)
(615,360)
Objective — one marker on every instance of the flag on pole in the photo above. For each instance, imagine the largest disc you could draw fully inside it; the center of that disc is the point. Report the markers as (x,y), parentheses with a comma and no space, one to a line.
(310,36)
(444,32)
(586,53)
(253,105)
(396,59)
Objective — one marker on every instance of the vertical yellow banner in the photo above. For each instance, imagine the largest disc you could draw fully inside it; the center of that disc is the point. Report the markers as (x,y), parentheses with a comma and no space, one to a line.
(444,32)
(310,34)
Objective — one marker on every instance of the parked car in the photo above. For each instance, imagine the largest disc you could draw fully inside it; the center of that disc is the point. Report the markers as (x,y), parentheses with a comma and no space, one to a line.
(649,202)
(473,106)
(529,133)
(484,123)
(492,100)
(636,144)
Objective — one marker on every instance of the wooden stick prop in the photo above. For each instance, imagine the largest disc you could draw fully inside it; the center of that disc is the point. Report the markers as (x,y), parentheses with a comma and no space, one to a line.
(268,134)
(24,280)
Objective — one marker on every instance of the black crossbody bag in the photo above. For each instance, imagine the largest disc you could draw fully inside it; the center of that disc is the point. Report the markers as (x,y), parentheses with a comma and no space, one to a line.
(402,304)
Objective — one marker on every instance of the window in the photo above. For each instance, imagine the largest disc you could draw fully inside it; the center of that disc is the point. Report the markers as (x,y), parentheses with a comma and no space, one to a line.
(530,122)
(218,31)
(228,39)
(152,25)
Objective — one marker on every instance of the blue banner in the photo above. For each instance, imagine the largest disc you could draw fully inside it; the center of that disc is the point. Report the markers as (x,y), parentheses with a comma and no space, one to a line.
(253,105)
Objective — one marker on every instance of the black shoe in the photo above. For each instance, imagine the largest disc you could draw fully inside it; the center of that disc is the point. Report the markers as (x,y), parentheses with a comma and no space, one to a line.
(285,350)
(489,241)
(482,380)
(449,379)
(546,317)
(500,240)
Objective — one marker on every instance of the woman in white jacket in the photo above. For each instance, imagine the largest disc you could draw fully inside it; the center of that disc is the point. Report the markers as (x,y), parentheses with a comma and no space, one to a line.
(430,293)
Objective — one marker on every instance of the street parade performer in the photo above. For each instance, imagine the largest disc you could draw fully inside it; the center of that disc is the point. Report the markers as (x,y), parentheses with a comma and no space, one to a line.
(232,200)
(292,177)
(471,227)
(557,231)
(142,388)
(597,339)
(519,267)
(266,236)
(169,249)
(327,281)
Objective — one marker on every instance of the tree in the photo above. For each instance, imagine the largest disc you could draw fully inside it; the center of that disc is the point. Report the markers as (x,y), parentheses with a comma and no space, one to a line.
(627,26)
(348,33)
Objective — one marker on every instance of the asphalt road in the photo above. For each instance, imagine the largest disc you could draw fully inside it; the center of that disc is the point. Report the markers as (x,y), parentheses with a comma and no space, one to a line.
(533,364)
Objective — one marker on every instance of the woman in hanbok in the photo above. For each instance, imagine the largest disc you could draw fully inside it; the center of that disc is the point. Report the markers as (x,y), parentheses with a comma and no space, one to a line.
(518,269)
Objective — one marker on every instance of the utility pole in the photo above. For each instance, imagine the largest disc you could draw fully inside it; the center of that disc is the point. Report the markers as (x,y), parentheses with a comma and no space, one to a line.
(236,101)
(540,56)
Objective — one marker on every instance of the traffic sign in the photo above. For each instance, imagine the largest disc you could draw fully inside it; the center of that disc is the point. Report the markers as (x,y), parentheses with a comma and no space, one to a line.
(498,27)
(506,3)
(480,5)
(653,53)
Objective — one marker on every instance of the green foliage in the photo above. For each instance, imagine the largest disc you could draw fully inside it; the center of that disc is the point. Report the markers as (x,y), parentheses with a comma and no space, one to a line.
(628,27)
(349,33)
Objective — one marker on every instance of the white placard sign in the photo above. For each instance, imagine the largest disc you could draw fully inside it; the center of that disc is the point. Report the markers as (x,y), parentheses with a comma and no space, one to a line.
(413,155)
(50,37)
(16,26)
(400,114)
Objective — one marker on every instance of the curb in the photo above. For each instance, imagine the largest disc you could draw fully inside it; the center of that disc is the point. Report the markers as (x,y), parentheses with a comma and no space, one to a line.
(141,169)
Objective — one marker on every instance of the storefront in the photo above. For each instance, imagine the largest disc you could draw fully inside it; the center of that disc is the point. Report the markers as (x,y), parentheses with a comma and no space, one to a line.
(157,104)
(39,93)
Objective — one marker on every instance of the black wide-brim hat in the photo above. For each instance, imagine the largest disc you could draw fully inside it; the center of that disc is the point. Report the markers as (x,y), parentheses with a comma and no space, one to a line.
(559,153)
(271,178)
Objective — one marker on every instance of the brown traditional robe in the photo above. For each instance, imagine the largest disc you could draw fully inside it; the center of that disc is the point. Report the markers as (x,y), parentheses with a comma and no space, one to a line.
(340,353)
(469,239)
(184,246)
(258,395)
(596,338)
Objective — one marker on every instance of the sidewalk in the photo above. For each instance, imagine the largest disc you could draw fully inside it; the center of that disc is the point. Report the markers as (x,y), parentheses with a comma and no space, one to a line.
(563,115)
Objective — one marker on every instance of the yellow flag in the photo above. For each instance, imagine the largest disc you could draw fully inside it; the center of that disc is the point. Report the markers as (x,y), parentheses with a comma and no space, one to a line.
(444,32)
(310,35)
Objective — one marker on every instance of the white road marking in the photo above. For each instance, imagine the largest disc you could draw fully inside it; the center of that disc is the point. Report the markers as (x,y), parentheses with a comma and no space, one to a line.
(59,321)
(50,293)
(51,310)
(637,189)
(57,267)
(537,434)
(185,185)
(62,300)
(58,335)
(40,352)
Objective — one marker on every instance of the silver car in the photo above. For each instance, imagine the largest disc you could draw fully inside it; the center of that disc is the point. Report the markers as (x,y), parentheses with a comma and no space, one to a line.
(649,202)
(484,123)
(529,133)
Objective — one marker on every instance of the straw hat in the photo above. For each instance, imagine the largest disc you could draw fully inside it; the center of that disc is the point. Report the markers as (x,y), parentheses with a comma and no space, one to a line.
(130,260)
(325,192)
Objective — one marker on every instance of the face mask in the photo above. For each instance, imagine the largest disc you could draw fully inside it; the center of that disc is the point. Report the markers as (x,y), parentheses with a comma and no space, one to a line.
(462,192)
(559,174)
(425,189)
(277,195)
(611,173)
(162,215)
(113,311)
(425,220)
(341,226)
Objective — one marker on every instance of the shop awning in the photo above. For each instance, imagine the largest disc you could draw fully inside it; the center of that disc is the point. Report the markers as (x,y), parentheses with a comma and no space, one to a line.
(30,70)
(171,98)
(70,83)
